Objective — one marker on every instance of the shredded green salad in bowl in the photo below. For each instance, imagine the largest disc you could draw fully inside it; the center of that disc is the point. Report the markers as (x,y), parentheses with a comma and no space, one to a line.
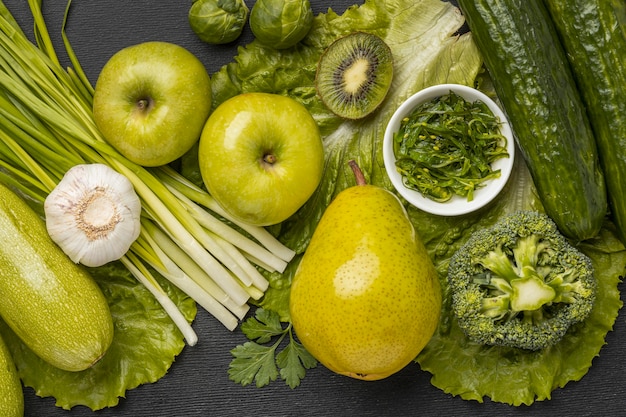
(447,146)
(449,149)
(428,49)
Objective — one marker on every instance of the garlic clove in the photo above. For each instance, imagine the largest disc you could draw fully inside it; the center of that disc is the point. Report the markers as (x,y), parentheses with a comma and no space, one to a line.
(93,214)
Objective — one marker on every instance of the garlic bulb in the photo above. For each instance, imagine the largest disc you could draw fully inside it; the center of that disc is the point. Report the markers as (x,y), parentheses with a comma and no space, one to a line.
(93,214)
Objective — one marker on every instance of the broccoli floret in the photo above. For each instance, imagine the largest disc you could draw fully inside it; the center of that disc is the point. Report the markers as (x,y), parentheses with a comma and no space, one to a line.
(520,283)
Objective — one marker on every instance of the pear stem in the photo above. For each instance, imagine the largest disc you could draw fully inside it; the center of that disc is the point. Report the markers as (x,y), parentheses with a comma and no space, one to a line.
(358,174)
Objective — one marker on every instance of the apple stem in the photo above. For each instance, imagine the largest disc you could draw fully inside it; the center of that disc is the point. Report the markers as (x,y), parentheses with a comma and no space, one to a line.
(143,104)
(269,159)
(358,174)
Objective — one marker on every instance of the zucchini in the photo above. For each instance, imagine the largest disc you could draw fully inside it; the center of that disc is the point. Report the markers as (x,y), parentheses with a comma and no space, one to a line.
(11,394)
(537,90)
(593,35)
(52,304)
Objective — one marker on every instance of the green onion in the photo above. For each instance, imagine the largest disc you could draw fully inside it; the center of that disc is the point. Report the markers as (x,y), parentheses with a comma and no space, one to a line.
(446,147)
(47,126)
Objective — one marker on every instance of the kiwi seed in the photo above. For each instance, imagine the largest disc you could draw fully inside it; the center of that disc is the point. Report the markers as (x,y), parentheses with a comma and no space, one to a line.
(354,75)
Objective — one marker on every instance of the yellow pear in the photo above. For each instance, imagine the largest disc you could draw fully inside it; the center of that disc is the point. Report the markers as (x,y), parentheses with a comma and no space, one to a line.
(365,299)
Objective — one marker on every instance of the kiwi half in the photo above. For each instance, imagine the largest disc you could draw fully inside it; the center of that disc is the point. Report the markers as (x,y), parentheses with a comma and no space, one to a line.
(354,75)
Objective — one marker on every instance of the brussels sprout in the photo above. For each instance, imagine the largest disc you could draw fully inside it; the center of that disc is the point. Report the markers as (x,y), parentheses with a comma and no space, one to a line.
(281,23)
(218,21)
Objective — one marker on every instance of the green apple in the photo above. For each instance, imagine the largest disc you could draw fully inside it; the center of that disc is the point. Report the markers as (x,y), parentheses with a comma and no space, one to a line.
(261,157)
(151,101)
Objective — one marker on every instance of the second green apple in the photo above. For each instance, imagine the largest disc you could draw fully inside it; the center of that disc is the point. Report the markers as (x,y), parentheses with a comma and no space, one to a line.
(261,157)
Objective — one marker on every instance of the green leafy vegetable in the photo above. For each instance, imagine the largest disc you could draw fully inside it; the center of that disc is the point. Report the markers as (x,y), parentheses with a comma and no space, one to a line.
(145,344)
(256,361)
(218,21)
(503,374)
(281,24)
(446,146)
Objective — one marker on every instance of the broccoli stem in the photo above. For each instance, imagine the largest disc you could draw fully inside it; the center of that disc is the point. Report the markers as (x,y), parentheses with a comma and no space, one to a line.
(530,293)
(516,276)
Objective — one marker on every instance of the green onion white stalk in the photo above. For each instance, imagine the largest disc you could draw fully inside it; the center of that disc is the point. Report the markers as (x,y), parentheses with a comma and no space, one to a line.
(276,254)
(47,127)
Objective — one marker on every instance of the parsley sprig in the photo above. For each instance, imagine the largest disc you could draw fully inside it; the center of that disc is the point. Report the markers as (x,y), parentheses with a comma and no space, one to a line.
(259,360)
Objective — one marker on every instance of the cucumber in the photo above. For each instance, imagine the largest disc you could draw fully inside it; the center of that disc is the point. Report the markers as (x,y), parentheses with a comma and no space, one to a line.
(594,37)
(52,304)
(537,90)
(11,394)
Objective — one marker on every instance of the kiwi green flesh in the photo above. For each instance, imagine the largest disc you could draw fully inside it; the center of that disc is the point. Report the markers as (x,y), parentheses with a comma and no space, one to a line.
(354,75)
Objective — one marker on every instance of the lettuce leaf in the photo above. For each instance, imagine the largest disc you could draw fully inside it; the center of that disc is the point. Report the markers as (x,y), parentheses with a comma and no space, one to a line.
(145,343)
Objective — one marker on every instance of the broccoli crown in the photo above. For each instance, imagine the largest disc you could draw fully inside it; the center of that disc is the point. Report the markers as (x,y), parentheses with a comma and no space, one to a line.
(520,283)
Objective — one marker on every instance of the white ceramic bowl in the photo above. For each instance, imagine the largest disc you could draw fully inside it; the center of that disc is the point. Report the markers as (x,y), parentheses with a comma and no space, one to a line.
(457,205)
